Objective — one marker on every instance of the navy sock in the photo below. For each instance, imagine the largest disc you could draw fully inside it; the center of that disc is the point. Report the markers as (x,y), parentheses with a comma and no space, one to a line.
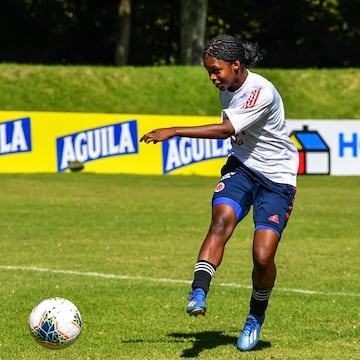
(203,273)
(259,301)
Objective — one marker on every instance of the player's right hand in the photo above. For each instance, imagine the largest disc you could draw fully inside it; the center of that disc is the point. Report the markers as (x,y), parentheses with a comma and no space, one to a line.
(158,135)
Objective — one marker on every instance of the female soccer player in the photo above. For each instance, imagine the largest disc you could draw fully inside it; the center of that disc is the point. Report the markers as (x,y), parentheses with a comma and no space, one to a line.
(260,172)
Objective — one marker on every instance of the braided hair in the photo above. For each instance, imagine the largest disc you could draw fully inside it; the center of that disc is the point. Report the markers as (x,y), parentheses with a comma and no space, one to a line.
(230,49)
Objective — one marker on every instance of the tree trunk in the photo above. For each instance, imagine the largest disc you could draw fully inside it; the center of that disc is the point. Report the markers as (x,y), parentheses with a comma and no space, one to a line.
(123,43)
(193,26)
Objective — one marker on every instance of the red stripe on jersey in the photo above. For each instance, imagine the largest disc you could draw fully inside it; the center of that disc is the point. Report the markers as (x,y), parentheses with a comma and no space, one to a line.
(251,101)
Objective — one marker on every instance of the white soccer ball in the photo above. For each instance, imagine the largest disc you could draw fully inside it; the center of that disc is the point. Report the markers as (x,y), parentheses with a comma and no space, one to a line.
(55,323)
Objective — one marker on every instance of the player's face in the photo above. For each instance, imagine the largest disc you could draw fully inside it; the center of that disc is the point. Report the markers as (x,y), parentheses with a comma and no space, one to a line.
(222,73)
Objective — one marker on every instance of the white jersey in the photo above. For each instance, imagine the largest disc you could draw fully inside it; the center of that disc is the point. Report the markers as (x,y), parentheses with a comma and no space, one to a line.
(261,140)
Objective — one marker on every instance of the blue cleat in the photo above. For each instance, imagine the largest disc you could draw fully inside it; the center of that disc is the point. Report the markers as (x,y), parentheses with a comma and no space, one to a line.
(250,334)
(196,305)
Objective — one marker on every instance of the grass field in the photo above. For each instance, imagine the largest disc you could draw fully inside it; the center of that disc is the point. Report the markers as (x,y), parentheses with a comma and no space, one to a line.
(123,247)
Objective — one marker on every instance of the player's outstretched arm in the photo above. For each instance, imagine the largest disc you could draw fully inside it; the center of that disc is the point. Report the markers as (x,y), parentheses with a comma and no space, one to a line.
(158,135)
(211,131)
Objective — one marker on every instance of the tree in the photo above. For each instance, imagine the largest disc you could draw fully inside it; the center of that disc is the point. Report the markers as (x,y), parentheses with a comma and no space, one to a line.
(123,42)
(193,27)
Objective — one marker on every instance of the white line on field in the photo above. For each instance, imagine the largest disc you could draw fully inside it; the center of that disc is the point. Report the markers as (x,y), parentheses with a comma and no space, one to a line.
(165,280)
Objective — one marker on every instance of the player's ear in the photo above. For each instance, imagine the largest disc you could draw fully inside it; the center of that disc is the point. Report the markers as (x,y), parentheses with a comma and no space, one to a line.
(236,65)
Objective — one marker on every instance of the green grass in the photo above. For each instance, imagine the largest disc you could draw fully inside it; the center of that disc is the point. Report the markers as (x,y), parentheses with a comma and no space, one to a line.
(307,94)
(149,229)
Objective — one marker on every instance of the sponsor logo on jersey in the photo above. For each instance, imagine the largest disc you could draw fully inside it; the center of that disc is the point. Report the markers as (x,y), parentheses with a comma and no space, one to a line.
(183,151)
(15,136)
(93,144)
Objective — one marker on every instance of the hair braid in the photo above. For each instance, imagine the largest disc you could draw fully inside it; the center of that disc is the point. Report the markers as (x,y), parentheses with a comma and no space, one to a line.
(229,48)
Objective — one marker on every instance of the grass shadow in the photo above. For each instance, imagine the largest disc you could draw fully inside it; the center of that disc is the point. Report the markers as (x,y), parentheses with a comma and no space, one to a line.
(209,340)
(204,340)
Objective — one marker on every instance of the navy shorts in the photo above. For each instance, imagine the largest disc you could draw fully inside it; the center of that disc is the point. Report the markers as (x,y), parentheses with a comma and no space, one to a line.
(241,188)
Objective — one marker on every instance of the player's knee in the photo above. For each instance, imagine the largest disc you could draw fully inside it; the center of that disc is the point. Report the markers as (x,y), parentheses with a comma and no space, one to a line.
(261,263)
(222,225)
(263,260)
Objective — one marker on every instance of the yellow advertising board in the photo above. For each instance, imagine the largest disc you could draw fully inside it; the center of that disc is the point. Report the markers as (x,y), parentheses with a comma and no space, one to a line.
(46,142)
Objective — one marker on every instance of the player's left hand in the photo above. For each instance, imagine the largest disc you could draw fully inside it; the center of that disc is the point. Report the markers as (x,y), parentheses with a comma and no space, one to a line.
(158,135)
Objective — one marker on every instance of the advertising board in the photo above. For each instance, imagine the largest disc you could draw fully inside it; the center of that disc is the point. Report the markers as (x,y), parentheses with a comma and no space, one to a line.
(46,142)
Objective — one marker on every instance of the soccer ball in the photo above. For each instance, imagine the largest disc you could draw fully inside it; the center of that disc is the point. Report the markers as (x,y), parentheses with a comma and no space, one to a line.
(55,323)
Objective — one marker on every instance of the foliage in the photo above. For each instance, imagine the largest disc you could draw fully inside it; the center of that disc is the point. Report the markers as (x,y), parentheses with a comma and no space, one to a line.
(294,34)
(303,33)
